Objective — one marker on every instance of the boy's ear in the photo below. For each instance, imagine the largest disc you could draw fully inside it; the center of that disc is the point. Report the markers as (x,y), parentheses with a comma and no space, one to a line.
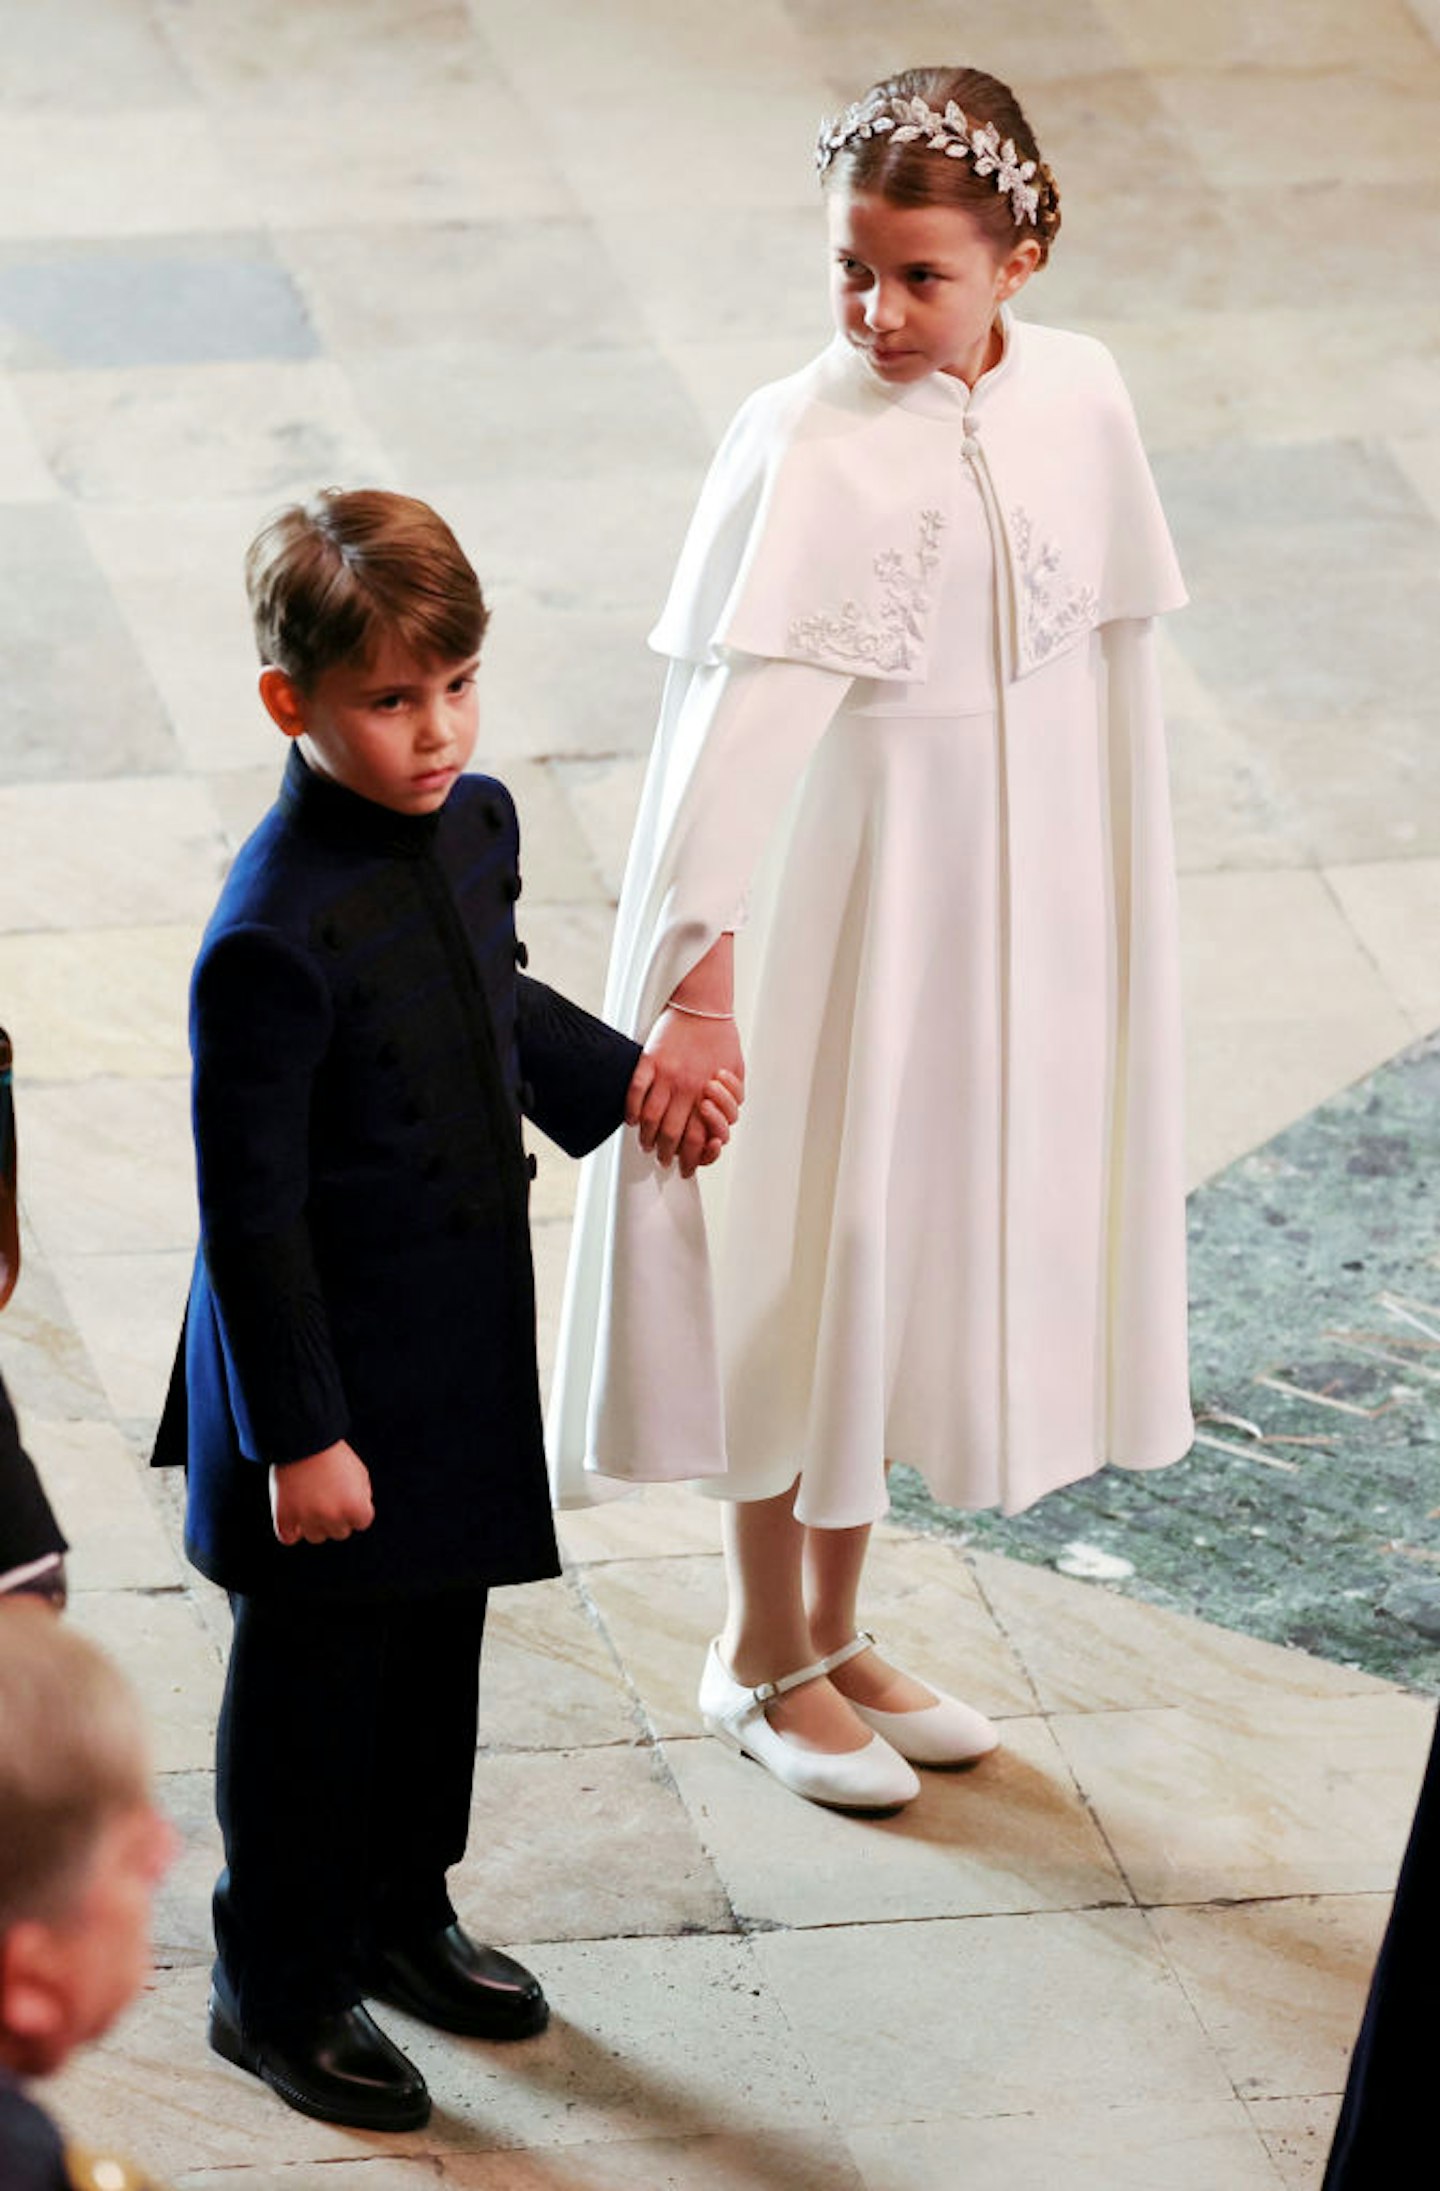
(282,700)
(33,2018)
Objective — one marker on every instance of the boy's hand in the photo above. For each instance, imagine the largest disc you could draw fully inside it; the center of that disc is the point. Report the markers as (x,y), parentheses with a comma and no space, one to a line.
(679,1063)
(708,1128)
(325,1496)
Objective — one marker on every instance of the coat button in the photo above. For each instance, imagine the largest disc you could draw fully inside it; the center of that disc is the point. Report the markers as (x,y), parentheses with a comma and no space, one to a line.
(532,1165)
(510,888)
(493,815)
(522,953)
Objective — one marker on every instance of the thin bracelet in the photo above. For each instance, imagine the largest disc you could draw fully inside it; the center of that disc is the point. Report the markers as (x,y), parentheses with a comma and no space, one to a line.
(693,1011)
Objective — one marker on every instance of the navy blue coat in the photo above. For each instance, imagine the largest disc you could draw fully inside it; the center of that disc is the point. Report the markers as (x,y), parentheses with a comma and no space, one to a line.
(364,1044)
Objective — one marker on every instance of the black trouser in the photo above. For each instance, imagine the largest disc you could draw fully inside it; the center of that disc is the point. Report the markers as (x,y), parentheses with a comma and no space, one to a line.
(345,1758)
(1387,2118)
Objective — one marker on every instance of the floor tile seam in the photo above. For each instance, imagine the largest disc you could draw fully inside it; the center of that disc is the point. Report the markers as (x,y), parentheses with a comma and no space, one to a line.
(1177,1976)
(998,1622)
(1412,1019)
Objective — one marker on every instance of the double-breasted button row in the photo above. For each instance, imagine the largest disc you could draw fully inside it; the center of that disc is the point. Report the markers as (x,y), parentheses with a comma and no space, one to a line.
(522,953)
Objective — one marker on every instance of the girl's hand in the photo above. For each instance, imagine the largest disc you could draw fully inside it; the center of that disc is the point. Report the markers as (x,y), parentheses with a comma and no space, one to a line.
(708,1128)
(324,1497)
(683,1055)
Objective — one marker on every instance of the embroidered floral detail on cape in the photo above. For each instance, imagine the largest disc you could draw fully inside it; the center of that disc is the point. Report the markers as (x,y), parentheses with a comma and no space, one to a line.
(1050,607)
(883,638)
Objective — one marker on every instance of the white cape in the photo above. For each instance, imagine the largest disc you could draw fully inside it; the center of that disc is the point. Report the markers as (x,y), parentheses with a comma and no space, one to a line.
(816,557)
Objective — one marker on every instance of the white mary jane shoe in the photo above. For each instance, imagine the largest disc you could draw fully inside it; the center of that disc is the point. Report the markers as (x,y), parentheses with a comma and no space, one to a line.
(870,1779)
(946,1732)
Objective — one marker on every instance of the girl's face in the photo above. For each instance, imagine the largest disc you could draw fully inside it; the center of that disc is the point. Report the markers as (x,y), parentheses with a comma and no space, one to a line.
(917,287)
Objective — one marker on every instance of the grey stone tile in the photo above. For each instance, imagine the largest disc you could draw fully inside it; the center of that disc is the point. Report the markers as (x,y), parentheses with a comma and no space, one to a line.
(500,286)
(1231,35)
(443,413)
(181,1935)
(160,1641)
(1348,497)
(47,1370)
(584,1845)
(370,2173)
(128,1310)
(855,46)
(103,56)
(987,2016)
(1195,2146)
(555,858)
(1279,1986)
(558,542)
(1366,242)
(550,1679)
(604,795)
(182,432)
(1389,125)
(568,681)
(147,303)
(97,1001)
(1010,1833)
(726,278)
(24,474)
(65,645)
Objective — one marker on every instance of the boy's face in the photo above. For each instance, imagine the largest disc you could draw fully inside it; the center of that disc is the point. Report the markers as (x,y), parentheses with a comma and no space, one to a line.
(64,1983)
(397,730)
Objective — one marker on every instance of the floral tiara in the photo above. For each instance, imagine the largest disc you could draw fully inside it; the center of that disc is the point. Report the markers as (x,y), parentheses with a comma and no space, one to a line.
(911,121)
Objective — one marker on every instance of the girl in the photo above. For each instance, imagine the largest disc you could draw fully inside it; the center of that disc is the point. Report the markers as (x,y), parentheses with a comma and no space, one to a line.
(912,711)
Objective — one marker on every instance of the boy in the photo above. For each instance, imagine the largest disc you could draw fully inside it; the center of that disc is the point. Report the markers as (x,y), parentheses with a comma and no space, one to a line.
(358,1366)
(82,1849)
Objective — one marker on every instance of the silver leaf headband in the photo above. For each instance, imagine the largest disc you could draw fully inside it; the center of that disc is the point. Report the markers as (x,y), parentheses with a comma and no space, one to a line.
(911,121)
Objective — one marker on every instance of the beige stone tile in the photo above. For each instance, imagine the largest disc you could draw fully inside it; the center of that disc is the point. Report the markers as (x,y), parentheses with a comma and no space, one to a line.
(1196,2146)
(1234,37)
(162,860)
(1394,908)
(1297,2135)
(1313,1795)
(1088,1649)
(1009,1833)
(552,540)
(549,1678)
(97,1485)
(242,797)
(660,1614)
(654,1521)
(181,1933)
(719,372)
(1282,1007)
(648,2038)
(555,858)
(46,1368)
(203,663)
(736,2160)
(109,1167)
(549,1246)
(988,2016)
(381,48)
(569,947)
(101,1001)
(153,171)
(159,1640)
(604,796)
(552,1196)
(569,681)
(128,1311)
(466,151)
(24,474)
(177,433)
(584,1845)
(280,2174)
(1389,124)
(1279,1986)
(753,281)
(1418,457)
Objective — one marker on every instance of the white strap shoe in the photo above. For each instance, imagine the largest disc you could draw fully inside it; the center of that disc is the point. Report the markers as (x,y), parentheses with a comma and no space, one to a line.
(873,1778)
(946,1732)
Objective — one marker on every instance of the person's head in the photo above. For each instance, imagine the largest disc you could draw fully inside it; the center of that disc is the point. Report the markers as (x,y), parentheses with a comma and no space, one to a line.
(82,1846)
(940,209)
(368,618)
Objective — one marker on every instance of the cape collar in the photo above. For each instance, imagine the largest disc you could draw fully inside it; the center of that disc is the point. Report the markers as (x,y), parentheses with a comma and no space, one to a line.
(342,819)
(941,396)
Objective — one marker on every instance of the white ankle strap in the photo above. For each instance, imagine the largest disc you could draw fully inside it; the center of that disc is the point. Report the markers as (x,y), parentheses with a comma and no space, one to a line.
(768,1690)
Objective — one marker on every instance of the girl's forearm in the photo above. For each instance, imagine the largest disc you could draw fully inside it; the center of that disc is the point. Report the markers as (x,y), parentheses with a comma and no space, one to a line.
(709,985)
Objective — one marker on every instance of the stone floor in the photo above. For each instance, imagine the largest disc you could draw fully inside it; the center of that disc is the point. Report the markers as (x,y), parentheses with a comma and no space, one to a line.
(524,260)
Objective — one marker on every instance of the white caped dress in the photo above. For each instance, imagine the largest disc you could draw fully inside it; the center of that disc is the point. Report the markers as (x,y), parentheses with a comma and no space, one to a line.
(912,712)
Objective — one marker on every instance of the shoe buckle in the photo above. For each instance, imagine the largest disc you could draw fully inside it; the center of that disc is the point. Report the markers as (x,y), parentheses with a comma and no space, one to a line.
(766,1693)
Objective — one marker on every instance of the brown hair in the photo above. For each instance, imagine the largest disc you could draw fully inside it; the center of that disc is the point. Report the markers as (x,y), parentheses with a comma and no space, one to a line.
(72,1756)
(913,174)
(328,579)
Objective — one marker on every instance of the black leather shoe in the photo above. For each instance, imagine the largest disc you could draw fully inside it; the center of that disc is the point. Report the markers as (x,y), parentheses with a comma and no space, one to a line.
(453,1982)
(341,2068)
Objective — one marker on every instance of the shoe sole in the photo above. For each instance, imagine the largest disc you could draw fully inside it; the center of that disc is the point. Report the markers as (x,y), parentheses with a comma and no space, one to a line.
(824,1802)
(227,2042)
(462,2029)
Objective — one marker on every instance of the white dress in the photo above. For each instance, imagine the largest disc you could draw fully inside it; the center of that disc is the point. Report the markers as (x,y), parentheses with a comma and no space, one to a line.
(949,1230)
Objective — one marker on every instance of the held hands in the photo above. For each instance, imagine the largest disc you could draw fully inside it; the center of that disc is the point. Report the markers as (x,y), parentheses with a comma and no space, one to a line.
(687,1090)
(325,1496)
